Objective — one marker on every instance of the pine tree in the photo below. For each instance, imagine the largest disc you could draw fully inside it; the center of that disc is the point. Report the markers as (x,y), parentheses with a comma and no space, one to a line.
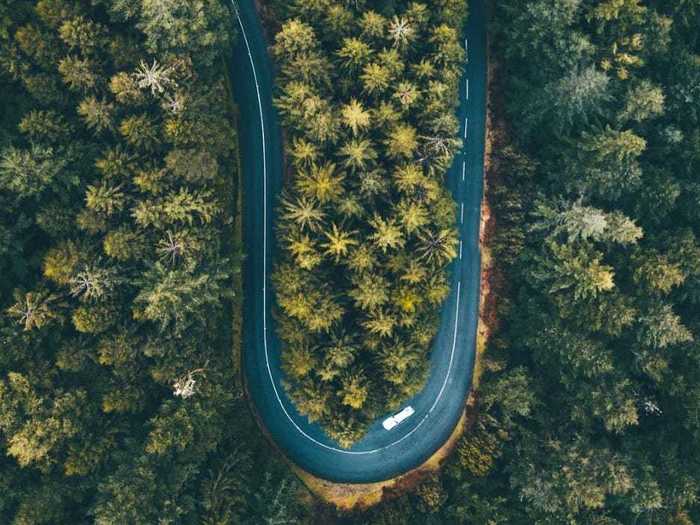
(402,141)
(339,242)
(375,78)
(358,154)
(303,211)
(355,53)
(28,172)
(97,115)
(62,262)
(437,247)
(354,389)
(370,291)
(81,34)
(34,309)
(387,234)
(79,74)
(140,132)
(174,298)
(321,182)
(355,116)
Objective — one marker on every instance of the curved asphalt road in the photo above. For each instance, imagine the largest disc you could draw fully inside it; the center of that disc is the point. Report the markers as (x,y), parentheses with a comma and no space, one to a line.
(380,454)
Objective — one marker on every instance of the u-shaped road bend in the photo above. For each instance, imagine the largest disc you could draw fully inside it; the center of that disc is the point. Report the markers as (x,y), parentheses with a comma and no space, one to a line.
(381,454)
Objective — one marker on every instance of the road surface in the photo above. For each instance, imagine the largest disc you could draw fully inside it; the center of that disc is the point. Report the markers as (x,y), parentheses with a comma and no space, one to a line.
(381,454)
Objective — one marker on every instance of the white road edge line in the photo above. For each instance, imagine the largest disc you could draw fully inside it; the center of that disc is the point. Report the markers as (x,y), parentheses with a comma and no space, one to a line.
(267,356)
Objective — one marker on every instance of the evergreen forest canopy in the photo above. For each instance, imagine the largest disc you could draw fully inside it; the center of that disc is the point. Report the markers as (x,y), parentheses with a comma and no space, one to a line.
(118,398)
(587,408)
(367,95)
(588,411)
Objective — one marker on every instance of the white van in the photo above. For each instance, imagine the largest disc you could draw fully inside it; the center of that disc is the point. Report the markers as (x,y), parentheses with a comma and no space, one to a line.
(394,420)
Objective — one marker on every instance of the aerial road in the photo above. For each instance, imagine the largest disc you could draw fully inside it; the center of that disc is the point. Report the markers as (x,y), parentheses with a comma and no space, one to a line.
(382,453)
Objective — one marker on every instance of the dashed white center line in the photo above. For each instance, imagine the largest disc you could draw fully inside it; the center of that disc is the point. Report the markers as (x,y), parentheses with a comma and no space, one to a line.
(467,89)
(461,214)
(466,126)
(264,287)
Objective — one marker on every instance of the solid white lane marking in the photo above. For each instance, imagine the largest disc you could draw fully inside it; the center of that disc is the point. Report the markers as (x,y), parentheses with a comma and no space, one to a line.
(267,356)
(264,287)
(449,367)
(461,214)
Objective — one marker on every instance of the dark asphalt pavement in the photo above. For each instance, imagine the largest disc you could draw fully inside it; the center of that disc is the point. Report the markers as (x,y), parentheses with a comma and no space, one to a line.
(380,454)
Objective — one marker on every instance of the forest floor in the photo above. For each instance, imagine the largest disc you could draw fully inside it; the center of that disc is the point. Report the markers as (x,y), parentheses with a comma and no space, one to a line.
(490,276)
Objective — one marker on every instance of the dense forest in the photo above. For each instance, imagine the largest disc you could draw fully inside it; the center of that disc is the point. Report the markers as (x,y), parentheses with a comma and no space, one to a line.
(367,96)
(117,260)
(588,413)
(119,393)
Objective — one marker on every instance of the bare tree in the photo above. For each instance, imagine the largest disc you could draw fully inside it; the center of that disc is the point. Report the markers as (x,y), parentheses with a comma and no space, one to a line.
(154,77)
